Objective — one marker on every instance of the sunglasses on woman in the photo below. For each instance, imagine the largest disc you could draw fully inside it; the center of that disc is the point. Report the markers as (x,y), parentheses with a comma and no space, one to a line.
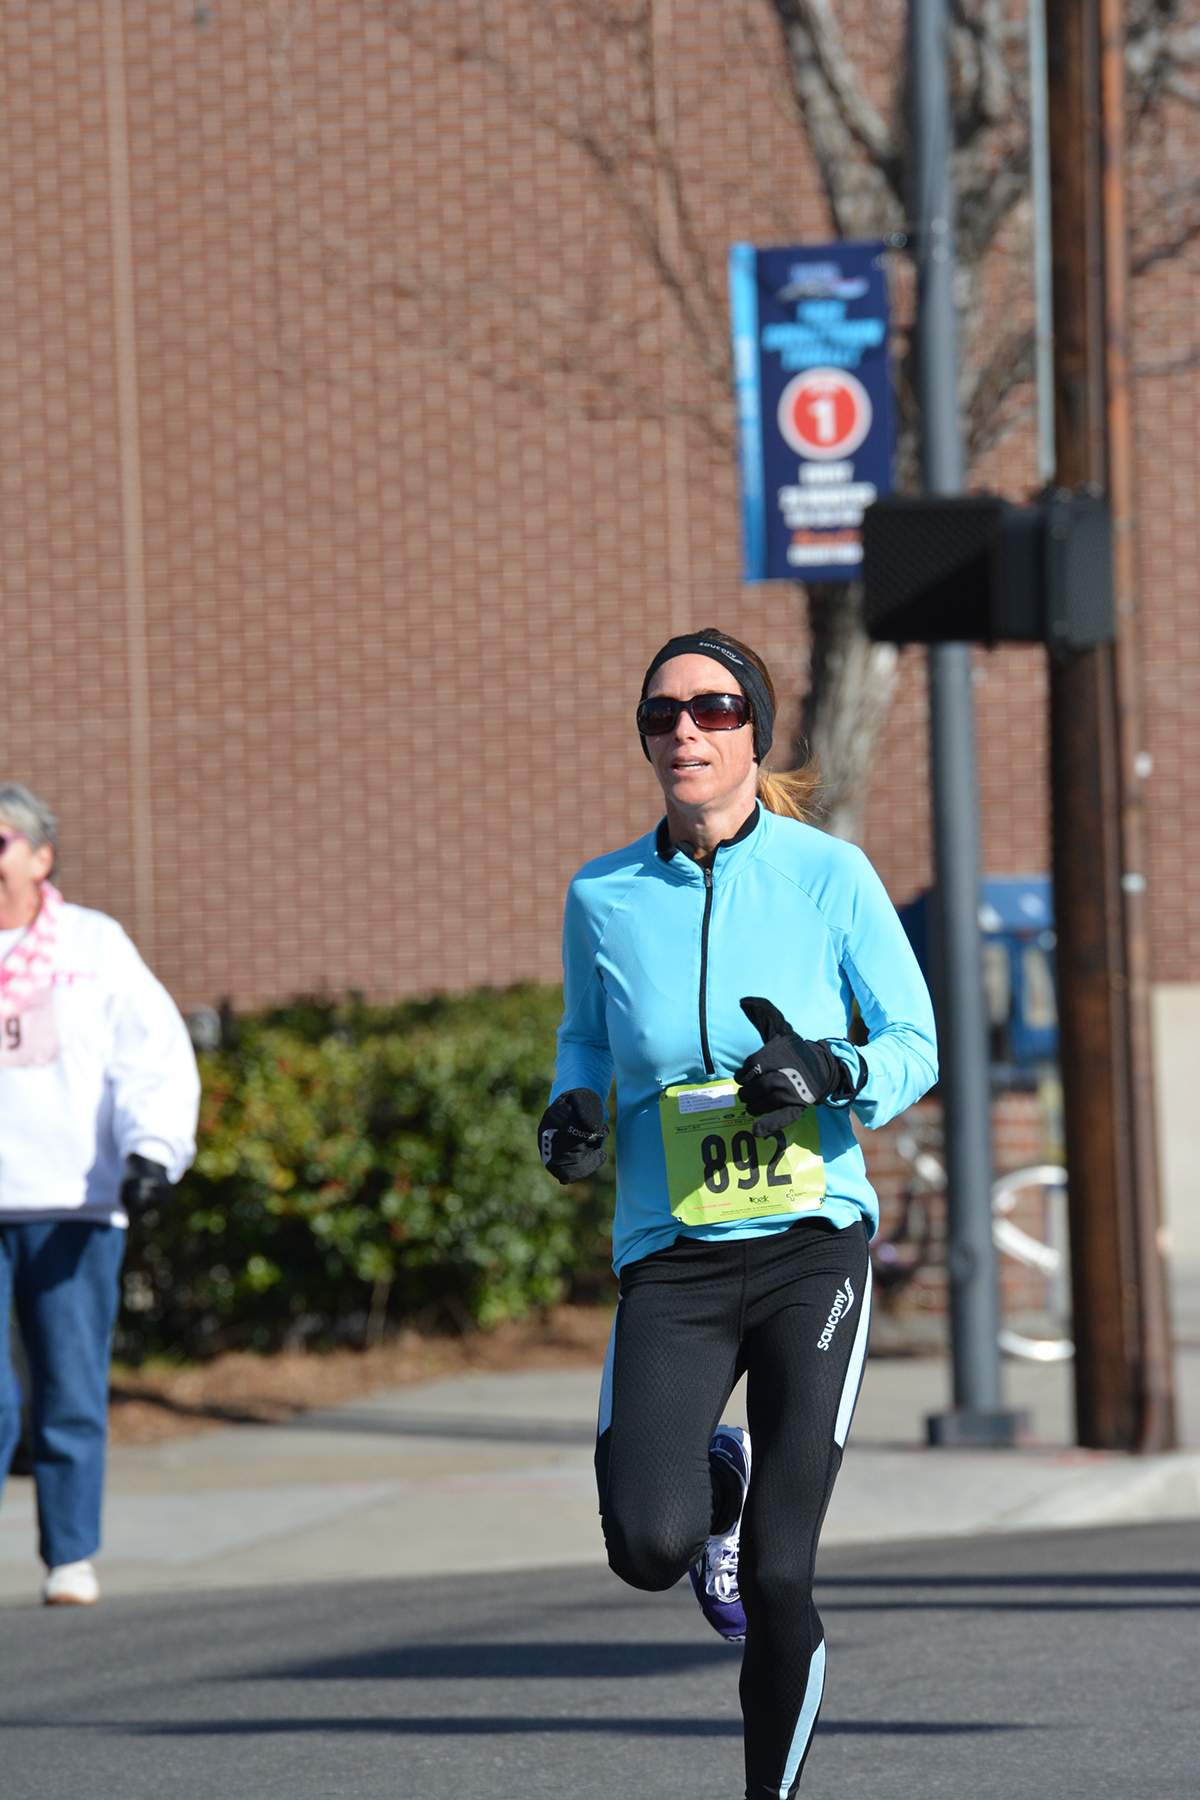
(10,837)
(711,712)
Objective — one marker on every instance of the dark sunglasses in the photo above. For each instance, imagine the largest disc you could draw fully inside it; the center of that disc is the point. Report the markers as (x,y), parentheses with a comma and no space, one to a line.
(10,837)
(711,712)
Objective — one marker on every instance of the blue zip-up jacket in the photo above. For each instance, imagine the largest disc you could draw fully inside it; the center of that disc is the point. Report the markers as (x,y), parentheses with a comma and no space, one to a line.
(657,954)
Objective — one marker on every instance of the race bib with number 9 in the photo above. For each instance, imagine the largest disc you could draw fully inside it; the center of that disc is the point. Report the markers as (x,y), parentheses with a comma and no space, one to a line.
(28,1039)
(717,1170)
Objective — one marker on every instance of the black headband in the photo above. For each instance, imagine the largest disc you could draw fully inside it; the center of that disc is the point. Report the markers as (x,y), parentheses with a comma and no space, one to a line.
(698,643)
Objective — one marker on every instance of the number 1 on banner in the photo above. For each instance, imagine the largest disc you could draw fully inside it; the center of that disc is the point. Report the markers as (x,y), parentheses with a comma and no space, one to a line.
(823,412)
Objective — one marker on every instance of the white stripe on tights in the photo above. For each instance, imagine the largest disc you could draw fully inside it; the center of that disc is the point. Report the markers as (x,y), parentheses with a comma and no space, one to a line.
(807,1719)
(606,1380)
(854,1373)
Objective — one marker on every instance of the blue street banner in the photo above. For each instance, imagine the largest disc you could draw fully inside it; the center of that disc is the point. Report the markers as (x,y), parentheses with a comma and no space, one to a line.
(813,383)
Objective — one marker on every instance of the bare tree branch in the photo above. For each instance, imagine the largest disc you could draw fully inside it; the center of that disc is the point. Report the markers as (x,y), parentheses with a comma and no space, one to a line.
(584,72)
(864,192)
(851,683)
(986,197)
(825,47)
(1169,248)
(625,143)
(1010,366)
(1147,371)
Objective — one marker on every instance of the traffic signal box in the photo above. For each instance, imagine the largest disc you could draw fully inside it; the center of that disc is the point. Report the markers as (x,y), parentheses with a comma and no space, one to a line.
(973,568)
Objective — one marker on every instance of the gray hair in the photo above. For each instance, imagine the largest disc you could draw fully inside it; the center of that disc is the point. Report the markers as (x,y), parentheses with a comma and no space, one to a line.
(28,815)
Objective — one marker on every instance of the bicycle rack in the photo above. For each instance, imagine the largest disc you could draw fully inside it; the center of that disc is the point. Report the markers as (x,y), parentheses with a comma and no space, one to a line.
(1049,1259)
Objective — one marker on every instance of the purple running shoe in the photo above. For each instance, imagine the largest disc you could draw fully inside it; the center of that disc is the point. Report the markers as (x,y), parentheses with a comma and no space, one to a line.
(714,1577)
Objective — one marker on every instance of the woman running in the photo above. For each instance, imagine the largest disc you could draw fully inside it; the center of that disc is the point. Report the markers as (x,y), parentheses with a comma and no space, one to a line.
(713,965)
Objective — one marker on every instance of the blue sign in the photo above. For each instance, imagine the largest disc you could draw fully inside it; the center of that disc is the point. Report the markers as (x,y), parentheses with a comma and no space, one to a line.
(814,397)
(1016,921)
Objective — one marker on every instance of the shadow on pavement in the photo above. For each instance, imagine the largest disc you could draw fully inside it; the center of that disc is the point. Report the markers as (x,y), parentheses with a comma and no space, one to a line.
(1020,1605)
(452,1425)
(1107,1579)
(499,1726)
(509,1726)
(509,1662)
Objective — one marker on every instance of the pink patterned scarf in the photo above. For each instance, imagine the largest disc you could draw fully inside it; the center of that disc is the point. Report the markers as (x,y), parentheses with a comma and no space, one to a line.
(29,965)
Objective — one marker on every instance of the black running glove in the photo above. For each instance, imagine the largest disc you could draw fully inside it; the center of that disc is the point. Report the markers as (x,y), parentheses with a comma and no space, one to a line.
(145,1186)
(789,1074)
(571,1135)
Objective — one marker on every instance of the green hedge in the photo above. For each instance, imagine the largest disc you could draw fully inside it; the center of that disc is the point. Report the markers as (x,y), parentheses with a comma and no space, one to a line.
(358,1165)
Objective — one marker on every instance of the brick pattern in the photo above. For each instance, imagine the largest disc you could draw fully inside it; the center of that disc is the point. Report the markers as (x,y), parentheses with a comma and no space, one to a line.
(409,541)
(63,724)
(1167,414)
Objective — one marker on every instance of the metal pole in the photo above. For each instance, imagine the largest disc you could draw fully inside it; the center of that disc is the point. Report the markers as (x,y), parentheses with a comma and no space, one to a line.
(1043,267)
(937,315)
(965,1082)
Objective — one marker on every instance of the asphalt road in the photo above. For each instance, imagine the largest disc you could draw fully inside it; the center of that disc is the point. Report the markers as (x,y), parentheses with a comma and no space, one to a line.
(1042,1667)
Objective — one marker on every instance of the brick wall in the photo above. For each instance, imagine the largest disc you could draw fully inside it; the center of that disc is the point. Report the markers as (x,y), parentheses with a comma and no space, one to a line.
(412,511)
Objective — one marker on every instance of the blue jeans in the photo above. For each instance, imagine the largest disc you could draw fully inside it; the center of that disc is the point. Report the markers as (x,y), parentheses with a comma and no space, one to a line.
(63,1276)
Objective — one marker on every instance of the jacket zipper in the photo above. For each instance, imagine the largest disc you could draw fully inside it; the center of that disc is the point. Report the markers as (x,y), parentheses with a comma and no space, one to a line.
(709,1065)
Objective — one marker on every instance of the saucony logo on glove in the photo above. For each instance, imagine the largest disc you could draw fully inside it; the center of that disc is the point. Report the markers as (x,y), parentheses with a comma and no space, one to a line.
(805,1093)
(571,1135)
(789,1074)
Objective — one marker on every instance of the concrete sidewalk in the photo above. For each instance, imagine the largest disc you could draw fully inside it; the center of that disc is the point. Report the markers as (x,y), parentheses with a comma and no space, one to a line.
(494,1472)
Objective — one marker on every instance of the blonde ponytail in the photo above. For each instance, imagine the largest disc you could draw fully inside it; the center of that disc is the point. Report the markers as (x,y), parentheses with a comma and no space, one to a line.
(790,792)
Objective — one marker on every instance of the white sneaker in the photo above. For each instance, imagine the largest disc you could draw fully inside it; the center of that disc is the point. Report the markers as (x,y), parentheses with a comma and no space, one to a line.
(71,1584)
(715,1576)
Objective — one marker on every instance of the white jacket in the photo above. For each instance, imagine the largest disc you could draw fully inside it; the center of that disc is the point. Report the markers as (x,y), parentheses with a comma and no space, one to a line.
(123,1081)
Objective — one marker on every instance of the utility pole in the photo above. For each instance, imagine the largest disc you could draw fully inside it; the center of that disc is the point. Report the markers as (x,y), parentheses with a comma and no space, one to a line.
(1043,249)
(962,1022)
(1122,1347)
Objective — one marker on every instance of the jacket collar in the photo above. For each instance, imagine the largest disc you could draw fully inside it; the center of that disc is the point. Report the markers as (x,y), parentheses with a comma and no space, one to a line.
(731,852)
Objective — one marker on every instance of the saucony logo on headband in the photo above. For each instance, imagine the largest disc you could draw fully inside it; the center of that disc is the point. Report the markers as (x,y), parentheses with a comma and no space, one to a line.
(750,678)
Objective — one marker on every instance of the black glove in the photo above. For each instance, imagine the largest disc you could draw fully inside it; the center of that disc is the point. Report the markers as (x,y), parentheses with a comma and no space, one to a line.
(145,1186)
(789,1074)
(571,1135)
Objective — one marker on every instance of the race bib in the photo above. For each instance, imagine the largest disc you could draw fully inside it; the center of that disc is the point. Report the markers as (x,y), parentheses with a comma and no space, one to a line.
(717,1170)
(29,1039)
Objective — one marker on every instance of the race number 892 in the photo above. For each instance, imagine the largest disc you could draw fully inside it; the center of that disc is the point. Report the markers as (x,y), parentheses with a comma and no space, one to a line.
(717,1170)
(742,1152)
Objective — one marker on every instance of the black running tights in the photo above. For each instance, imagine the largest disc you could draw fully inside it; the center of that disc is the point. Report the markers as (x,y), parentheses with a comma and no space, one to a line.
(791,1310)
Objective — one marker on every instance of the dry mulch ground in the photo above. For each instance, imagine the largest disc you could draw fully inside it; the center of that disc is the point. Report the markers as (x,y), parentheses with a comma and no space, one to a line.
(161,1401)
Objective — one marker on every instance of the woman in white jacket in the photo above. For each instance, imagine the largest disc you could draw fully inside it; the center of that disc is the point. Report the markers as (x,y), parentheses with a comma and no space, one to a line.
(98,1104)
